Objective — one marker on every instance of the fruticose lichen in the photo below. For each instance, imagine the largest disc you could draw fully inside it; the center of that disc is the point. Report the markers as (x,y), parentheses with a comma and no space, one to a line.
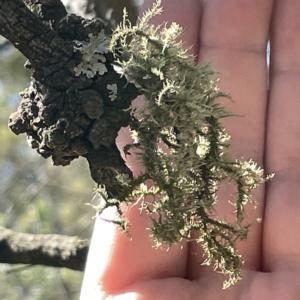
(182,145)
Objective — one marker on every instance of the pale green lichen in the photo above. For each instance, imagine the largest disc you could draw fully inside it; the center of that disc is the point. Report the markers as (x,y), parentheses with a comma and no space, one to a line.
(92,55)
(113,88)
(181,110)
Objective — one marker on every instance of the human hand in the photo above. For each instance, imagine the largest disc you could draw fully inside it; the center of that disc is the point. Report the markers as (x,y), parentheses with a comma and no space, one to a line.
(232,34)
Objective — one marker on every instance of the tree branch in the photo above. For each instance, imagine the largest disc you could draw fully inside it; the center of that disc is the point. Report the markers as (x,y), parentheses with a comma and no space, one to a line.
(65,114)
(43,249)
(31,36)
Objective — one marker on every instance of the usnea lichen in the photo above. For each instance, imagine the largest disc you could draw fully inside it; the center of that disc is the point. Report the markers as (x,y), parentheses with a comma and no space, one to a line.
(180,111)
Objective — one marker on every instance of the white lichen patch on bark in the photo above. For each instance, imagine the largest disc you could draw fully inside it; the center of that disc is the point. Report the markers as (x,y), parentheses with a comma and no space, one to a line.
(93,58)
(113,91)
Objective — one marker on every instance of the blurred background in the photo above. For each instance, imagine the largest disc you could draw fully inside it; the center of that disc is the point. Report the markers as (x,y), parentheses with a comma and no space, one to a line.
(36,197)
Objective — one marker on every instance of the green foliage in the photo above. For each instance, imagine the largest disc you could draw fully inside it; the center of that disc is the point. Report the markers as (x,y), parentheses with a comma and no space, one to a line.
(180,182)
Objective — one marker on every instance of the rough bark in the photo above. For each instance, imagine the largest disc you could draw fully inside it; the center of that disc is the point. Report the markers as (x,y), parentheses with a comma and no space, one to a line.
(63,115)
(43,249)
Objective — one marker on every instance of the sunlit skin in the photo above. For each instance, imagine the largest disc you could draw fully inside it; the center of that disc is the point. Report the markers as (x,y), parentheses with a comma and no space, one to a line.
(233,35)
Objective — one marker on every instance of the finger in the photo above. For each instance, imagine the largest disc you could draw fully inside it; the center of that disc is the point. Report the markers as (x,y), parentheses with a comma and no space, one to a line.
(185,13)
(118,261)
(234,38)
(282,217)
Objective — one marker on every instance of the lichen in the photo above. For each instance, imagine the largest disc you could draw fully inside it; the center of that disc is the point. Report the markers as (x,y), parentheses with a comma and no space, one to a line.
(92,55)
(181,111)
(113,91)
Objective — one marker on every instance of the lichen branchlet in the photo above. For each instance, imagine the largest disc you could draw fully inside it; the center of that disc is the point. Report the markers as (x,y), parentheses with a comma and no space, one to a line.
(181,111)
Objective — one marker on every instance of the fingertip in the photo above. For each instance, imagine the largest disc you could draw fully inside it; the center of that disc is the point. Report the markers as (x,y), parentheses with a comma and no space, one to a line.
(100,249)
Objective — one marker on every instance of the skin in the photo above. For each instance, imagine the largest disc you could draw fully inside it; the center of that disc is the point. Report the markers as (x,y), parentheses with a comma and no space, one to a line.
(233,35)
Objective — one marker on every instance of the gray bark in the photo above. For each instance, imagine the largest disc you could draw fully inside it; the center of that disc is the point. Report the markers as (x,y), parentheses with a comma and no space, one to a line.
(65,116)
(43,249)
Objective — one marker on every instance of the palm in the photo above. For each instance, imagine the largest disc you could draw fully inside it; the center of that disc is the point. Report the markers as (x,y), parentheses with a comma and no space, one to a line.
(232,34)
